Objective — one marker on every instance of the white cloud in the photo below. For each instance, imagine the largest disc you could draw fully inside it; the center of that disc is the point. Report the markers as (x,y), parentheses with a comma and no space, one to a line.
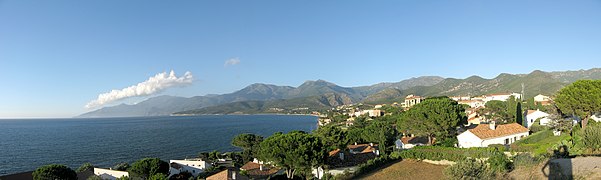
(232,62)
(153,85)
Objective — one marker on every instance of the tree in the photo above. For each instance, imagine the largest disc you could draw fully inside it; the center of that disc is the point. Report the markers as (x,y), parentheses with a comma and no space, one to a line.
(581,98)
(85,167)
(147,167)
(519,117)
(54,171)
(249,144)
(434,117)
(332,136)
(380,132)
(121,166)
(158,176)
(496,110)
(293,151)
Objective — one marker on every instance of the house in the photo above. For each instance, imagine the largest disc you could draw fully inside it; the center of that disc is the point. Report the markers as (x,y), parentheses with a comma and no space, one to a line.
(482,135)
(542,100)
(532,115)
(460,98)
(193,166)
(258,170)
(410,142)
(228,174)
(472,103)
(364,148)
(412,100)
(501,96)
(110,174)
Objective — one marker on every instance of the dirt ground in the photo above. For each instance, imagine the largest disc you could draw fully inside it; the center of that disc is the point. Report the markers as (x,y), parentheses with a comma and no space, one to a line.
(408,169)
(576,168)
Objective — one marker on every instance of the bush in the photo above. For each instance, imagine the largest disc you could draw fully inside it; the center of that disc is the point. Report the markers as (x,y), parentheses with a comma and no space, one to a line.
(592,137)
(469,169)
(499,147)
(54,171)
(526,160)
(94,177)
(536,127)
(499,162)
(121,166)
(437,153)
(158,176)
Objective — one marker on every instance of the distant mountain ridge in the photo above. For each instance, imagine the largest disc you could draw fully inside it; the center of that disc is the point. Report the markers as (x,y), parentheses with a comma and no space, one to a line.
(320,94)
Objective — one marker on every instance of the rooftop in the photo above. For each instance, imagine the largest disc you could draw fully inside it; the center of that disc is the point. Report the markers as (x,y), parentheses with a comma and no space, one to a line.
(483,131)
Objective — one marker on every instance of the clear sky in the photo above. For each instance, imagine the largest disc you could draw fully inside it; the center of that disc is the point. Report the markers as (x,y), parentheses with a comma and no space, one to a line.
(56,56)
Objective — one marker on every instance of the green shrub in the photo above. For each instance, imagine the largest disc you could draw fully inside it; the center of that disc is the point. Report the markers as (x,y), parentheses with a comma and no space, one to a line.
(526,160)
(85,167)
(94,177)
(54,171)
(147,167)
(536,127)
(499,162)
(437,153)
(469,169)
(499,147)
(592,137)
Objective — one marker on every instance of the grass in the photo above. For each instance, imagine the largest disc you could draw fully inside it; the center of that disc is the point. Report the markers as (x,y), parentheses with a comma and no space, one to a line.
(408,169)
(539,143)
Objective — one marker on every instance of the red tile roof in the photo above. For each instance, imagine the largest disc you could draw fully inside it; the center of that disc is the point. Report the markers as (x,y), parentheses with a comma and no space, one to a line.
(483,131)
(363,148)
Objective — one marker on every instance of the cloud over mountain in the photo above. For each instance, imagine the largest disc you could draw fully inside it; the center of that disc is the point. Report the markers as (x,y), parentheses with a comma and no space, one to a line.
(153,85)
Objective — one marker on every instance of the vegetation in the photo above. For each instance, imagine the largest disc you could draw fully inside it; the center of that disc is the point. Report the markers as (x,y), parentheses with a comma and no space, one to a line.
(333,136)
(499,162)
(148,168)
(581,98)
(540,143)
(469,169)
(519,117)
(592,138)
(121,166)
(54,171)
(438,153)
(434,117)
(294,151)
(85,167)
(380,132)
(249,144)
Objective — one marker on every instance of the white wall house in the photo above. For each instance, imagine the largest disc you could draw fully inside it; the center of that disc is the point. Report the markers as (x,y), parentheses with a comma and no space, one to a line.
(483,135)
(501,97)
(410,142)
(472,103)
(110,174)
(533,115)
(193,166)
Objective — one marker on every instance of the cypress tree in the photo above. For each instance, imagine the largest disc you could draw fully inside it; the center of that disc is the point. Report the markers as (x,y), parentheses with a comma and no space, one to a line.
(518,115)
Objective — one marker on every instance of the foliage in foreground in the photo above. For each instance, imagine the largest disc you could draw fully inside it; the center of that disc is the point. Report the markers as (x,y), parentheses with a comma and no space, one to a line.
(293,151)
(54,171)
(469,169)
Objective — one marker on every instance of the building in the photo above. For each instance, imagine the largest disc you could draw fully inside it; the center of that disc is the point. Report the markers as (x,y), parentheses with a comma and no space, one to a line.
(258,170)
(228,174)
(460,98)
(542,100)
(501,96)
(110,174)
(412,100)
(472,103)
(483,135)
(410,142)
(193,166)
(532,115)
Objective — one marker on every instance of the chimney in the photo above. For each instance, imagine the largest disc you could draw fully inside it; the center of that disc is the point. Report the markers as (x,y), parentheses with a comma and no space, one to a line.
(355,143)
(233,174)
(371,144)
(377,152)
(261,167)
(492,125)
(341,155)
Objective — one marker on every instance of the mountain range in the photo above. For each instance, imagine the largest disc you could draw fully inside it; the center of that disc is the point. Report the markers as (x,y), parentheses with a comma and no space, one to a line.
(320,94)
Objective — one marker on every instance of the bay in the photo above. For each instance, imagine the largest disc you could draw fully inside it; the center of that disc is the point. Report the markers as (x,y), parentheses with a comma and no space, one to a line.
(26,144)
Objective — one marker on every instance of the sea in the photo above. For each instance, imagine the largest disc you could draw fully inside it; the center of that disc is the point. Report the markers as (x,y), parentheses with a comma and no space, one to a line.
(26,144)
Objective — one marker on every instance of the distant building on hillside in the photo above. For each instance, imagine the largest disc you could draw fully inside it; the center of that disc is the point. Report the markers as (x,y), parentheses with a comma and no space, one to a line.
(412,100)
(542,100)
(501,96)
(532,115)
(193,166)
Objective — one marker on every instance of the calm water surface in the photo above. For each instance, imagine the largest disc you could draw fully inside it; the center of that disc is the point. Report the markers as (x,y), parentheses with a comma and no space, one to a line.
(28,144)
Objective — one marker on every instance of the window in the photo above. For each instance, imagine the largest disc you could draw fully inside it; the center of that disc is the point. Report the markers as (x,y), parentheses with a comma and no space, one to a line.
(507,141)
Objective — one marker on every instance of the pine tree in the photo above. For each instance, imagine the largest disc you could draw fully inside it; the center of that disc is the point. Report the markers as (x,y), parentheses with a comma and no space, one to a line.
(518,115)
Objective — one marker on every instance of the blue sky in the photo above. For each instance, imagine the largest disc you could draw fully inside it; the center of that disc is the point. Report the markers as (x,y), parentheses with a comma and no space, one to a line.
(56,56)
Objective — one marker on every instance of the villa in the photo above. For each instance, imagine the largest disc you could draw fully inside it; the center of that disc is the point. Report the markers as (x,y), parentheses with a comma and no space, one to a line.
(193,166)
(482,135)
(110,174)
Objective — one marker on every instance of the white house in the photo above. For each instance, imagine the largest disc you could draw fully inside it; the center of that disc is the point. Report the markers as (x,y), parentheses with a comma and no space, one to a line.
(501,96)
(483,135)
(410,142)
(193,166)
(542,99)
(532,115)
(412,100)
(472,103)
(110,174)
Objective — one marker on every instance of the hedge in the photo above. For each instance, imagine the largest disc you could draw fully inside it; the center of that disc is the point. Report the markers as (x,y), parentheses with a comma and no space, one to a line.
(438,153)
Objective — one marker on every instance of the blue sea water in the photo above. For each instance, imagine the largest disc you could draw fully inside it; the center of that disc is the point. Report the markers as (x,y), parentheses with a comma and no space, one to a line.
(104,142)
